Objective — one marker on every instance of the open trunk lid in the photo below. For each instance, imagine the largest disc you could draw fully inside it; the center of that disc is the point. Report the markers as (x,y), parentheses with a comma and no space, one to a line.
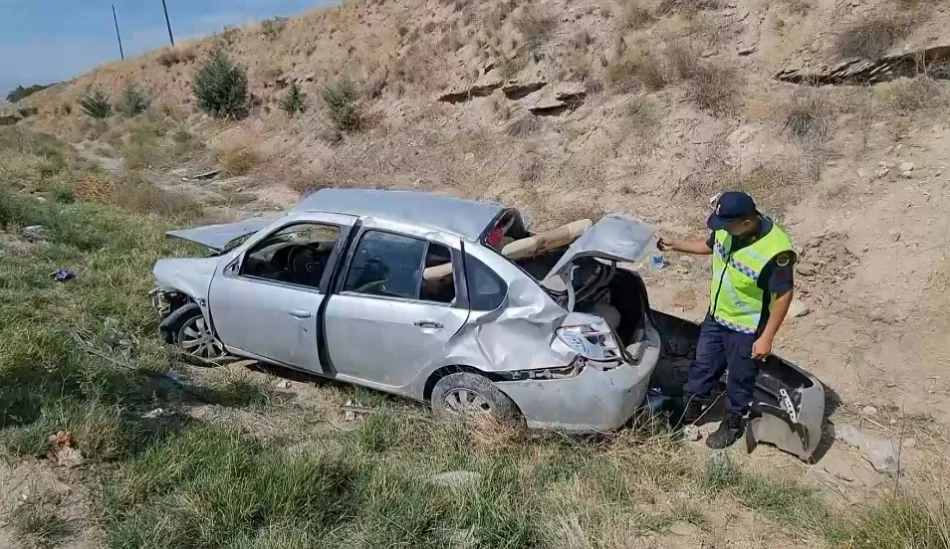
(616,237)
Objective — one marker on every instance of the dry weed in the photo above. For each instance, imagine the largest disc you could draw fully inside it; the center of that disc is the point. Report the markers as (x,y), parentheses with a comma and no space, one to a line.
(909,95)
(634,16)
(667,7)
(644,114)
(172,55)
(536,26)
(524,126)
(95,189)
(806,118)
(684,58)
(651,71)
(715,89)
(871,38)
(532,169)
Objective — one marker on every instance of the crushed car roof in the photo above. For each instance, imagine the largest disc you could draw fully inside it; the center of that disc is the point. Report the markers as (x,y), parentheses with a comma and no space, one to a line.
(465,218)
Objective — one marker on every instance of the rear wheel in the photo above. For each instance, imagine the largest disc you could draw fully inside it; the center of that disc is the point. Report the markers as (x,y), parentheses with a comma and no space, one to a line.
(467,395)
(192,334)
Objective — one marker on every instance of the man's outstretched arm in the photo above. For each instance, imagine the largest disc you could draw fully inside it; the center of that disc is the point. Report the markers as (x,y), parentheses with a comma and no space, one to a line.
(696,247)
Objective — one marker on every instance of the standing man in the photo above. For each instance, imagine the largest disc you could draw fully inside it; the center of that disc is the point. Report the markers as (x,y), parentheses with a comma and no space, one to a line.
(752,288)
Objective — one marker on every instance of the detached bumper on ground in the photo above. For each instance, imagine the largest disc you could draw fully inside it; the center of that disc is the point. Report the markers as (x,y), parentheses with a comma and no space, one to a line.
(594,400)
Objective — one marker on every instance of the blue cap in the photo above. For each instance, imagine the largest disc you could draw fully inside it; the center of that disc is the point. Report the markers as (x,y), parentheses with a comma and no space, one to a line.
(731,206)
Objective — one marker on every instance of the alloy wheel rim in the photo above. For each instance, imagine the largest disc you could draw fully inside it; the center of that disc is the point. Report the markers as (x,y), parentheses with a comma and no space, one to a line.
(466,402)
(198,340)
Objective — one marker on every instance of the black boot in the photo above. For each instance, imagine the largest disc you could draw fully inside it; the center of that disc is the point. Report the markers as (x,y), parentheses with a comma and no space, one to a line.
(729,431)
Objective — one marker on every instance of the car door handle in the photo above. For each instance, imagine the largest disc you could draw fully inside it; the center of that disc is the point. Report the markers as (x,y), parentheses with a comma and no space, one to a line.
(428,324)
(300,313)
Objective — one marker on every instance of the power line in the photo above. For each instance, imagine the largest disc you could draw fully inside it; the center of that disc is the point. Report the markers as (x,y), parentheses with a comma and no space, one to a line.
(168,23)
(118,35)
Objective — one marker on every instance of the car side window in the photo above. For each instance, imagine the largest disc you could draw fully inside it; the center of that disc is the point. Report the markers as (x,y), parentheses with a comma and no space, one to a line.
(297,254)
(486,290)
(392,265)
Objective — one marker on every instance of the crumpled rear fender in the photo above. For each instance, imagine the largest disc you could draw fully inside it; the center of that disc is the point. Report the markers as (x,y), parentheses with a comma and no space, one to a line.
(788,410)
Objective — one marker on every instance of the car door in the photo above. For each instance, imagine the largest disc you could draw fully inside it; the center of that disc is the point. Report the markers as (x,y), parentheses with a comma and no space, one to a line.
(389,318)
(265,302)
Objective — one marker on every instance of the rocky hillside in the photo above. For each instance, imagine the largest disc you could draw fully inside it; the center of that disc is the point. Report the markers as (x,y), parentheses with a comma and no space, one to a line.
(833,114)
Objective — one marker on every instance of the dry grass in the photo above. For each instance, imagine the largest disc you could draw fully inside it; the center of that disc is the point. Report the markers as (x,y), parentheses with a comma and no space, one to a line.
(806,118)
(683,58)
(524,126)
(172,56)
(667,7)
(652,71)
(535,25)
(38,524)
(715,89)
(644,114)
(237,161)
(909,95)
(871,38)
(634,68)
(633,16)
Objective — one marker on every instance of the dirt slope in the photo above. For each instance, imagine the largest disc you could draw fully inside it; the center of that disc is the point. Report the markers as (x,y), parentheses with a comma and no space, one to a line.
(647,108)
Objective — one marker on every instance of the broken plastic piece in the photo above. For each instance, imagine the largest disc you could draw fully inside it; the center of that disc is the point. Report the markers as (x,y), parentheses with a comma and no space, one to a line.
(64,275)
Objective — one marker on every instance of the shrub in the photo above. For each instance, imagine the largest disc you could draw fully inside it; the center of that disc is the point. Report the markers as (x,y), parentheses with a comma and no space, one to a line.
(805,120)
(643,113)
(635,68)
(913,94)
(536,27)
(96,104)
(221,85)
(633,15)
(341,100)
(294,102)
(20,92)
(871,38)
(667,7)
(237,161)
(684,58)
(271,28)
(526,125)
(714,89)
(651,71)
(133,101)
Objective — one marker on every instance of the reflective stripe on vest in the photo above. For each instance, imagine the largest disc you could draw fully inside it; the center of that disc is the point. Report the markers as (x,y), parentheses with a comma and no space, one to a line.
(735,299)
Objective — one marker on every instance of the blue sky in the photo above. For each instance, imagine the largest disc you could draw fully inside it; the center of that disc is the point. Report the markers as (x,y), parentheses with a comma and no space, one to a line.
(43,41)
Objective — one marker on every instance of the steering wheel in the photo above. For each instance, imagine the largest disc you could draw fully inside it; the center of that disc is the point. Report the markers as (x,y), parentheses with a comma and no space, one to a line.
(305,264)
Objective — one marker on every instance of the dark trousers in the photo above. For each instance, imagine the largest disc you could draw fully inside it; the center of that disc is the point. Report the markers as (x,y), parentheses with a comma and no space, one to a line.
(717,349)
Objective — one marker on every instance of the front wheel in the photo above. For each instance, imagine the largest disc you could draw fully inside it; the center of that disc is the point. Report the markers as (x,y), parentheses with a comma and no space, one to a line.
(468,395)
(192,334)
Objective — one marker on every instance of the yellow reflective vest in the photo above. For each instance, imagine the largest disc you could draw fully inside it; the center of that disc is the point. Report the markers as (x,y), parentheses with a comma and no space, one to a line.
(735,298)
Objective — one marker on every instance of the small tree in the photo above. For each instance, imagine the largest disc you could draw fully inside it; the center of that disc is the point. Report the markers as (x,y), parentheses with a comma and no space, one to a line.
(221,85)
(96,104)
(341,99)
(294,102)
(133,101)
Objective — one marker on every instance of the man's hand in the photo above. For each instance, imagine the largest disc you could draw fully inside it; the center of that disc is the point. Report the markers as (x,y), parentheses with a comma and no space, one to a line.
(665,245)
(762,348)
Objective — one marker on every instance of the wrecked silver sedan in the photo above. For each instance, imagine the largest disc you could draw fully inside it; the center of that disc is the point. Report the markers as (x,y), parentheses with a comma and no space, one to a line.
(435,298)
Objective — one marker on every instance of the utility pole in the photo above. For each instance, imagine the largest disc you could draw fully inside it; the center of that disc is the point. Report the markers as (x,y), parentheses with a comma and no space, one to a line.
(168,23)
(117,34)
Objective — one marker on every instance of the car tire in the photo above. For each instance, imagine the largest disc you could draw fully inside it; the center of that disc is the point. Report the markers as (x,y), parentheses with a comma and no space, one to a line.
(468,394)
(191,334)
